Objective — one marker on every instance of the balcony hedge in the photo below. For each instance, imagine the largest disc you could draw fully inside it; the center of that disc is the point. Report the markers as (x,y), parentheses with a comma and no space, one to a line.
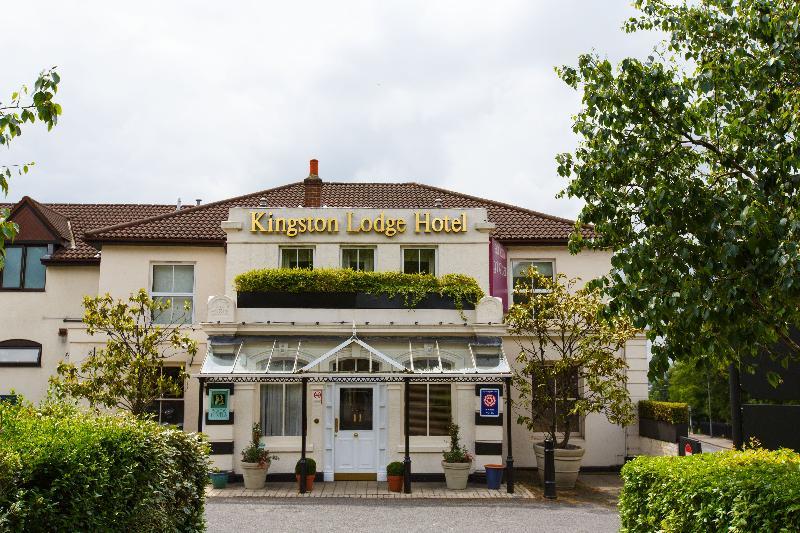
(65,470)
(410,290)
(669,412)
(754,490)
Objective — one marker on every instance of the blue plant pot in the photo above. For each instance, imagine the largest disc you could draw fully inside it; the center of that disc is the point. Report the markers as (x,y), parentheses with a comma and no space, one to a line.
(494,476)
(219,480)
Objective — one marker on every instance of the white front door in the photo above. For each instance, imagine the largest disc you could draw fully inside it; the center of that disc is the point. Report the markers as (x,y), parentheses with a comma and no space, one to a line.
(355,450)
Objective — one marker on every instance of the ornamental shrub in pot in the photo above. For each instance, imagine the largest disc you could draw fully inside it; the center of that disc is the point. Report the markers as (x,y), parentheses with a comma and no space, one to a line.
(567,365)
(255,461)
(311,472)
(394,475)
(457,461)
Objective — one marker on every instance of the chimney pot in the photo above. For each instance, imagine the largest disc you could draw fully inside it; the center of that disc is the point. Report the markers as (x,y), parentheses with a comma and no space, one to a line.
(312,186)
(197,201)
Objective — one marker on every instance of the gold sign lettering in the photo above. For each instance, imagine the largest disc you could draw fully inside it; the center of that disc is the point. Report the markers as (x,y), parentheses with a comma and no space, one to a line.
(266,222)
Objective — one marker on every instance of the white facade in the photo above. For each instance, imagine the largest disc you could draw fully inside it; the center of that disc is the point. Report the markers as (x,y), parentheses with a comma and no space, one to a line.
(52,318)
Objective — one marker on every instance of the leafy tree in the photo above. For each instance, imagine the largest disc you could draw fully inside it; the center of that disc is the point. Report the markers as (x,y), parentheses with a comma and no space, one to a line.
(127,372)
(688,166)
(23,107)
(564,340)
(695,383)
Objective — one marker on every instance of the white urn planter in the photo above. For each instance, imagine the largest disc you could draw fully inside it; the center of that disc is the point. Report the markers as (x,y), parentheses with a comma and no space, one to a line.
(255,475)
(456,475)
(567,462)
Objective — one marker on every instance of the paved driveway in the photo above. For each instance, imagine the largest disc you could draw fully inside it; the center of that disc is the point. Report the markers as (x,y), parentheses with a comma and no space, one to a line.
(241,515)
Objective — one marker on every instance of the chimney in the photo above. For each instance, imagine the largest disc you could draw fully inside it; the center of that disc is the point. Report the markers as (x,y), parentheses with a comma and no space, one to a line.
(198,201)
(312,186)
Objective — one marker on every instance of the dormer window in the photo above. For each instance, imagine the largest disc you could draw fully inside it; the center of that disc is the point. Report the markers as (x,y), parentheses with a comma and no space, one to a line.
(23,268)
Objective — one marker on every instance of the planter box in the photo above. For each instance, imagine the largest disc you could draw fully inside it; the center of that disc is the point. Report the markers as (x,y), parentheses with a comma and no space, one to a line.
(339,300)
(656,429)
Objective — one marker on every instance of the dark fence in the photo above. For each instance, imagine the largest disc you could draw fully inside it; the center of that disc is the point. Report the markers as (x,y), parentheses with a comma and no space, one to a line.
(774,426)
(720,429)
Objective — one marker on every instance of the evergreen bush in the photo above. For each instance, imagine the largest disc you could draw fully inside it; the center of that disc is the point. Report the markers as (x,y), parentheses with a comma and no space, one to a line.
(66,470)
(669,412)
(410,287)
(753,490)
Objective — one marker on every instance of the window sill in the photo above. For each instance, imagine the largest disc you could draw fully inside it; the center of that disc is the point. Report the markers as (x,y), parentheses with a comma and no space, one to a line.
(29,365)
(3,289)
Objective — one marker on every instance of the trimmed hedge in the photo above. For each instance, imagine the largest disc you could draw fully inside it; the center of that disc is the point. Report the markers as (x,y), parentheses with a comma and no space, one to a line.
(64,470)
(754,490)
(411,287)
(669,412)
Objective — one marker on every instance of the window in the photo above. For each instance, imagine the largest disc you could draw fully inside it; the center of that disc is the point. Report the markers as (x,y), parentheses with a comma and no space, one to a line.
(419,260)
(20,352)
(429,409)
(486,356)
(543,413)
(297,258)
(169,409)
(431,363)
(23,268)
(354,364)
(280,409)
(174,283)
(520,276)
(359,259)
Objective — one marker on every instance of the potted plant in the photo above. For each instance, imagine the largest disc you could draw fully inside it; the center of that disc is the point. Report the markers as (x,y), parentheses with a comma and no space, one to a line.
(219,479)
(311,472)
(457,461)
(255,461)
(568,365)
(394,474)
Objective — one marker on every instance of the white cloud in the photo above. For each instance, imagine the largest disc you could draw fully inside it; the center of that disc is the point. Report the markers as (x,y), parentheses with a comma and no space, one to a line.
(211,100)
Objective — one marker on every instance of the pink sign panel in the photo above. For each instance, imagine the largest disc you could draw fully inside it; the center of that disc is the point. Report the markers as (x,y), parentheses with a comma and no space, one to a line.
(498,275)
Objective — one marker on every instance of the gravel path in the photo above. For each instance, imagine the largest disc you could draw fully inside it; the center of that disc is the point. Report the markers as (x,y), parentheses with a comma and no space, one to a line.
(241,515)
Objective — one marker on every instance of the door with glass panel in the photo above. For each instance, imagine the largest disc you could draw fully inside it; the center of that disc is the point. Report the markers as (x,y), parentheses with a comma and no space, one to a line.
(354,432)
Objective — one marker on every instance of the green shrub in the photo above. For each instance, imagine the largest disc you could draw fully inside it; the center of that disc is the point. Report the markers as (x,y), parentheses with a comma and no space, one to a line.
(410,287)
(311,467)
(395,468)
(65,470)
(754,490)
(670,412)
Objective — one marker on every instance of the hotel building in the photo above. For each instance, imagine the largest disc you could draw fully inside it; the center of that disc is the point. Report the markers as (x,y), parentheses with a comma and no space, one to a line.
(378,382)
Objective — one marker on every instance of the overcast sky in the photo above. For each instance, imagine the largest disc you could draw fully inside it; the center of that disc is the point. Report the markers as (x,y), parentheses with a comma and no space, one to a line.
(210,100)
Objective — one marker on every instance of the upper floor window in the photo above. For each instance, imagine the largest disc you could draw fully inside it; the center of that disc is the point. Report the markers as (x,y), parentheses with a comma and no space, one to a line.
(359,259)
(23,268)
(297,258)
(520,277)
(174,283)
(419,260)
(20,352)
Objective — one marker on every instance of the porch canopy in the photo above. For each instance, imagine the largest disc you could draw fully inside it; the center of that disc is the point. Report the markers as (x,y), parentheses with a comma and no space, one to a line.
(375,358)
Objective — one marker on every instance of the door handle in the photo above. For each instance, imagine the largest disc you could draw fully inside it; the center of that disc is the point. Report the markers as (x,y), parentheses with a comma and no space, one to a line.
(355,435)
(336,425)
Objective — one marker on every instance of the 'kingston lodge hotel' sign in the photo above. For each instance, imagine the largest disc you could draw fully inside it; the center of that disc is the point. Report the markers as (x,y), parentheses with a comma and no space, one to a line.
(422,222)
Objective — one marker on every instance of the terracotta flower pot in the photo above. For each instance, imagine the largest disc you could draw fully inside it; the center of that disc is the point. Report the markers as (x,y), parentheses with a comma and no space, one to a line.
(395,483)
(255,475)
(567,462)
(309,482)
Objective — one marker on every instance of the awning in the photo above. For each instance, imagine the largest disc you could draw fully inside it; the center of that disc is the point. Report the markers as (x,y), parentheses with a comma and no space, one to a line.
(326,358)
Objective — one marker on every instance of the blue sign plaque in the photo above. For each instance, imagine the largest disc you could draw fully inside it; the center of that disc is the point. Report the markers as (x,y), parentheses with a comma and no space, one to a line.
(490,402)
(219,404)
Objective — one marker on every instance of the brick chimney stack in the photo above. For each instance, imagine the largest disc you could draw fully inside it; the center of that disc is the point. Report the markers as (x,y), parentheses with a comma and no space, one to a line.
(312,186)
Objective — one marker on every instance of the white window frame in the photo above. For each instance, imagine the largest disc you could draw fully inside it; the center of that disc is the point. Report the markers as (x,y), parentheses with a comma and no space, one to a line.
(283,410)
(527,260)
(191,295)
(428,406)
(313,254)
(358,248)
(435,257)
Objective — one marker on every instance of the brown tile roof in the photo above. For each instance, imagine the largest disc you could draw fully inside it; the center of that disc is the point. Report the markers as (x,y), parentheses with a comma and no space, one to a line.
(83,217)
(201,224)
